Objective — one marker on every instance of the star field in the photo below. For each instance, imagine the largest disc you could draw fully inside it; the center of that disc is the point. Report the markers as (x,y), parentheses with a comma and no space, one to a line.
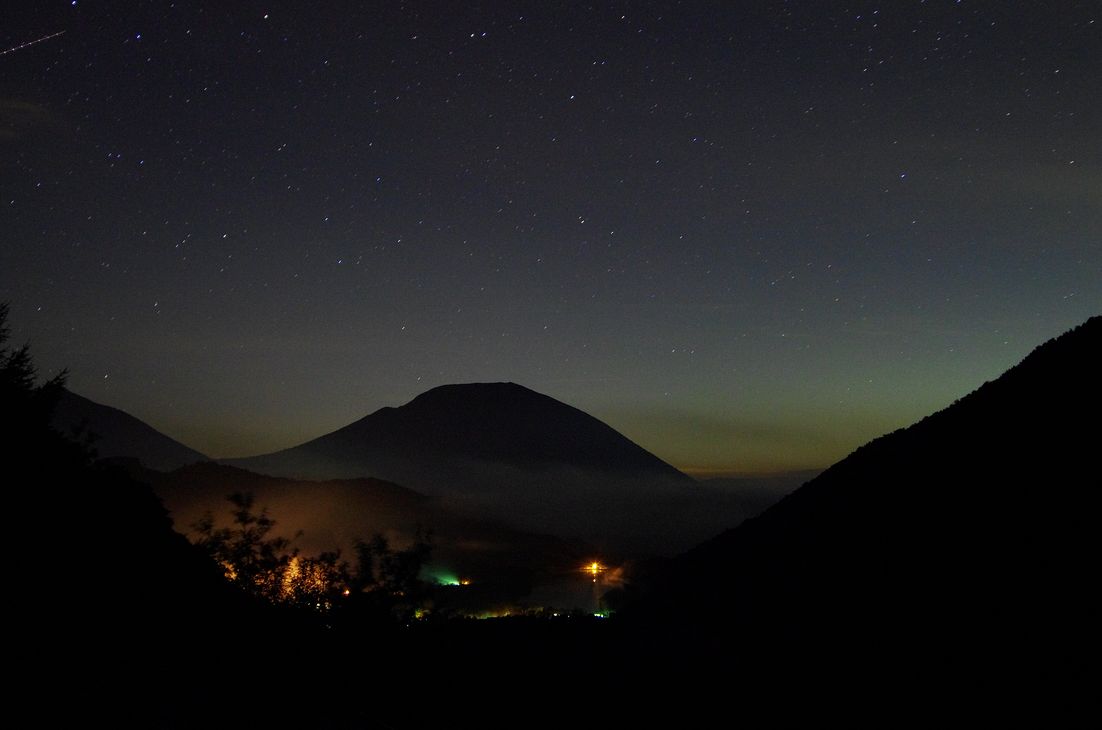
(750,236)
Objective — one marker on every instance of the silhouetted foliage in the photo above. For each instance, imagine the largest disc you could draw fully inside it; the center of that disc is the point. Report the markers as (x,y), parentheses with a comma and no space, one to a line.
(17,372)
(251,559)
(386,580)
(269,566)
(27,406)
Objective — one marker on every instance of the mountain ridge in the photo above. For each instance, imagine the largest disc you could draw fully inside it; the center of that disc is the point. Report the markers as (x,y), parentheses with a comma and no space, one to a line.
(114,433)
(498,422)
(486,456)
(956,548)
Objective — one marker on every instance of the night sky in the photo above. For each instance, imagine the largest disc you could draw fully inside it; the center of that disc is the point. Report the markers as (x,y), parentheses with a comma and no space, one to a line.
(748,235)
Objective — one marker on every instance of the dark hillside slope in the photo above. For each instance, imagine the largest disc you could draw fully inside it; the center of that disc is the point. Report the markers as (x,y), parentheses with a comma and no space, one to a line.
(117,434)
(961,552)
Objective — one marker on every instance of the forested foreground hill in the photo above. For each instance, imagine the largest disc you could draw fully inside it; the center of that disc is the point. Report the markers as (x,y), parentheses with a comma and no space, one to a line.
(953,557)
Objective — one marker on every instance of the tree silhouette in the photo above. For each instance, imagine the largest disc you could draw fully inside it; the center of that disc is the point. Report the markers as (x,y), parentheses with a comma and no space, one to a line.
(27,406)
(251,558)
(387,581)
(383,581)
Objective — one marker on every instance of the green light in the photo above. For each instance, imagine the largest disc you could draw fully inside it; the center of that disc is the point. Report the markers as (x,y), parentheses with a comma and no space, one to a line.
(439,575)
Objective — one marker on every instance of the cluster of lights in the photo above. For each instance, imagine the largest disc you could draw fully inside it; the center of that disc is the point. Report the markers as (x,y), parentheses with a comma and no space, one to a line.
(453,581)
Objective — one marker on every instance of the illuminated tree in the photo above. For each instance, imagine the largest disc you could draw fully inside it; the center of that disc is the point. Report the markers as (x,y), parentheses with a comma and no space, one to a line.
(269,566)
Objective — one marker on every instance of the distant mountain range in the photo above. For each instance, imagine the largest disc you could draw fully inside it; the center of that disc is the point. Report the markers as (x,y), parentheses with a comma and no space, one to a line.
(492,451)
(117,434)
(958,554)
(504,451)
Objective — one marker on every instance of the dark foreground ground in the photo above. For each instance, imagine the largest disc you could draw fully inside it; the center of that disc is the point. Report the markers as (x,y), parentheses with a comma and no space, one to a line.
(537,672)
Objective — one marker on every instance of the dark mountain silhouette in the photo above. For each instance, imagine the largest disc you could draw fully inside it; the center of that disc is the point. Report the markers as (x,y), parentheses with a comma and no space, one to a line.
(495,423)
(503,450)
(116,433)
(956,558)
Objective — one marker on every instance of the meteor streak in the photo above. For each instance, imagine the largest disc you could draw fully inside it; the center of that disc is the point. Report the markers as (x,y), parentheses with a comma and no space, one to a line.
(13,49)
